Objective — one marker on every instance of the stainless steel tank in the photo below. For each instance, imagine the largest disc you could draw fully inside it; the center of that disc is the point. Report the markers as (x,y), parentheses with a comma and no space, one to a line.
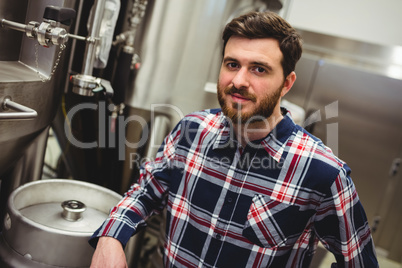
(33,75)
(24,67)
(48,223)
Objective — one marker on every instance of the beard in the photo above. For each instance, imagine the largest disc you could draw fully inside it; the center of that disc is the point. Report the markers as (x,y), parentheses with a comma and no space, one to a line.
(260,112)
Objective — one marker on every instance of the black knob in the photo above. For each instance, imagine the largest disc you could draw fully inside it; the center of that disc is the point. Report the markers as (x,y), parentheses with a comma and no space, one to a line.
(63,15)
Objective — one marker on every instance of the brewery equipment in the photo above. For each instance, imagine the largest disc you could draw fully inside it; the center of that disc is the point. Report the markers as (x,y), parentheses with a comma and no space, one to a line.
(32,77)
(48,223)
(34,72)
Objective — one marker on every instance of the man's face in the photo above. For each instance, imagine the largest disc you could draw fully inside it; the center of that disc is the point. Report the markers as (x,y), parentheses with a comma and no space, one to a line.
(251,80)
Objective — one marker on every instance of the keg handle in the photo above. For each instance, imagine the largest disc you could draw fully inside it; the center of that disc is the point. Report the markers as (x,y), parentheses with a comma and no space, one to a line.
(23,112)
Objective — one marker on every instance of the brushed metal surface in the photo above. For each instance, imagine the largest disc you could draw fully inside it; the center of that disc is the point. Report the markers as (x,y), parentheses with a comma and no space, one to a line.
(16,11)
(20,81)
(32,229)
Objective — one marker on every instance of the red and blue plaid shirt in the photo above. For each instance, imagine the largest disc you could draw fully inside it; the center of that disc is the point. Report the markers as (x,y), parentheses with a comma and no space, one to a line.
(265,205)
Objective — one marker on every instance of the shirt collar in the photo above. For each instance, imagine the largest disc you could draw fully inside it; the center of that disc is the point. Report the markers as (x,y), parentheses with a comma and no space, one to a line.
(226,136)
(274,143)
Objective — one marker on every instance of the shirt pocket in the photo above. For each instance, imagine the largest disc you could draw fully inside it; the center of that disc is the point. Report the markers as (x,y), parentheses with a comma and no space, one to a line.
(272,224)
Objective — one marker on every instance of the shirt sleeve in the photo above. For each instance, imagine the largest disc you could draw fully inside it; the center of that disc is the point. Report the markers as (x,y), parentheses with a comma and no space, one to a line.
(341,225)
(144,198)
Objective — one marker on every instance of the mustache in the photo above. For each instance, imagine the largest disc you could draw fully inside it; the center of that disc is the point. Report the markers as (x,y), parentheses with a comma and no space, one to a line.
(233,90)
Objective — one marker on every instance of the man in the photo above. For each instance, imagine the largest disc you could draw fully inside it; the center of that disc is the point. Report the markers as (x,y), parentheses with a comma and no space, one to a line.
(243,185)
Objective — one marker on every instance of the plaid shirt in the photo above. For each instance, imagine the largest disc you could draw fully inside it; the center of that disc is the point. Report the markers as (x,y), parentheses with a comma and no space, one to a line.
(265,205)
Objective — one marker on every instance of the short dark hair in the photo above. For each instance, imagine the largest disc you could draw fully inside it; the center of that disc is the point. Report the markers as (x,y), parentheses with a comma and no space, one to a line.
(268,25)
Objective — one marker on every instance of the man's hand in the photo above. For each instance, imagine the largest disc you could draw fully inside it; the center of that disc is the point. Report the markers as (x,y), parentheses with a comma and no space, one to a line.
(109,253)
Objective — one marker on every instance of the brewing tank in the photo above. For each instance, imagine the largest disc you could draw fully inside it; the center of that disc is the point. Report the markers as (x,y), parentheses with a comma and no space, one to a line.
(24,71)
(33,73)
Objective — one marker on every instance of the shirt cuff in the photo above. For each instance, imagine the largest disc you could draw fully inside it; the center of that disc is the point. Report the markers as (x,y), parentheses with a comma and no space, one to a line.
(120,230)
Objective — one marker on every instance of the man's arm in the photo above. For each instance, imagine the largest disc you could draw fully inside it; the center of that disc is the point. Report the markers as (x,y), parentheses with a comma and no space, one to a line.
(342,226)
(109,253)
(144,198)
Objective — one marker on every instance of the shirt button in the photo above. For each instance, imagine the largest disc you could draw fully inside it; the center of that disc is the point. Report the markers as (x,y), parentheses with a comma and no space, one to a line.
(218,236)
(230,200)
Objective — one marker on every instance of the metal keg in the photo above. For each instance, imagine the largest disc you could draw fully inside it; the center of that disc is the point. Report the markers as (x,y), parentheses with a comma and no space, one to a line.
(48,223)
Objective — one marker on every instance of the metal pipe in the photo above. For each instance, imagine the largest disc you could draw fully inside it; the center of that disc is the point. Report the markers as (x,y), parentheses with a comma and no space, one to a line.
(89,56)
(13,25)
(45,33)
(78,37)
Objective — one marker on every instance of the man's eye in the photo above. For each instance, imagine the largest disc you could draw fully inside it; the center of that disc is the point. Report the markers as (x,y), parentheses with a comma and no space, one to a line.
(259,70)
(232,65)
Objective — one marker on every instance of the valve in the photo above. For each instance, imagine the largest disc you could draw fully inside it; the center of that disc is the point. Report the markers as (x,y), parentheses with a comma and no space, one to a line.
(59,14)
(48,32)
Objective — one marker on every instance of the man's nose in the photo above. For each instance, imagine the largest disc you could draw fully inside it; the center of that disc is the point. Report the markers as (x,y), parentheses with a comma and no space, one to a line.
(241,79)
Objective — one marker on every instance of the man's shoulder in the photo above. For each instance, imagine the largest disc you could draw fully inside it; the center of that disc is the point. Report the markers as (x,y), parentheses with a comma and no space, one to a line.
(320,151)
(321,166)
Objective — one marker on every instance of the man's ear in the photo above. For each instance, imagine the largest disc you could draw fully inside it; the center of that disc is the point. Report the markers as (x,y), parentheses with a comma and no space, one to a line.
(287,85)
